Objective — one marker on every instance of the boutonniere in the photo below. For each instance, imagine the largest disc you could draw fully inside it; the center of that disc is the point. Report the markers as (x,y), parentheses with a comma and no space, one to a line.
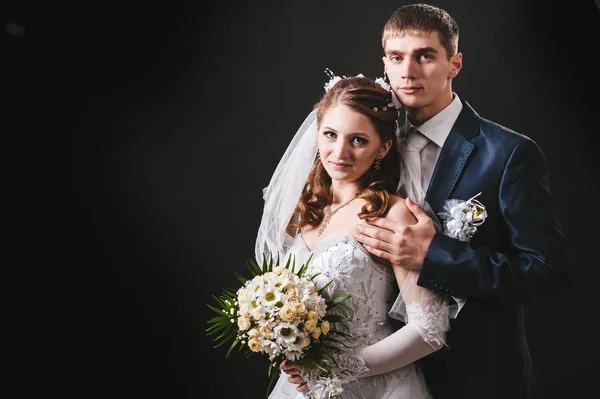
(461,218)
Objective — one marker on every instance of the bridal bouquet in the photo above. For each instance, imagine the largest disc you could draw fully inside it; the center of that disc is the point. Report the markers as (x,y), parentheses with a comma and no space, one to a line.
(281,313)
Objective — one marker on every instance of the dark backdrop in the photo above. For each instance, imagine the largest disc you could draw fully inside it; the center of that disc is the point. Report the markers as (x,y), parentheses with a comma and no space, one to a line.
(138,138)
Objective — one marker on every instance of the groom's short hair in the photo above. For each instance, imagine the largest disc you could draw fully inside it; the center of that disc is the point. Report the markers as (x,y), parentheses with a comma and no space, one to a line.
(423,18)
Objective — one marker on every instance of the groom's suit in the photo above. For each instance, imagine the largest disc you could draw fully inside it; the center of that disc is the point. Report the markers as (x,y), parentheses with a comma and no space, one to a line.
(518,254)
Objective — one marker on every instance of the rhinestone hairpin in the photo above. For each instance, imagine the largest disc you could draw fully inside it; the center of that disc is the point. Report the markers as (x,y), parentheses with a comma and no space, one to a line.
(384,108)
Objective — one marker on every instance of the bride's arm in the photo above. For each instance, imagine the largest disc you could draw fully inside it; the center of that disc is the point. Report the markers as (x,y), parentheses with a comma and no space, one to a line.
(425,313)
(426,321)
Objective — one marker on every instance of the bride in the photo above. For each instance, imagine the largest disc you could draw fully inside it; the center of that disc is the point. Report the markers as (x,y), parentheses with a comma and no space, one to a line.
(340,168)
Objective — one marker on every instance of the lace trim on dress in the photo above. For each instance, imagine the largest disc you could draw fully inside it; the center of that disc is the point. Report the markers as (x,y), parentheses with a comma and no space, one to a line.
(431,323)
(349,367)
(332,241)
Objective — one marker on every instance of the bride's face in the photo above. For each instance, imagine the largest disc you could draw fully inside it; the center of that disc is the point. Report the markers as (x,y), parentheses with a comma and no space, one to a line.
(348,143)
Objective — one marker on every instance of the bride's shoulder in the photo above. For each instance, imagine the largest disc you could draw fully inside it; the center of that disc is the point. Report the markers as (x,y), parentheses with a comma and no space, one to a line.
(397,202)
(399,212)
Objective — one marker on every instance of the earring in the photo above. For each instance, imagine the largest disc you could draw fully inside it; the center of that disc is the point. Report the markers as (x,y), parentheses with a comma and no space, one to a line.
(377,163)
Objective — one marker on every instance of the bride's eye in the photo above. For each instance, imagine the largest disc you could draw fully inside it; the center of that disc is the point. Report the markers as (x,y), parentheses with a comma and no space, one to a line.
(329,134)
(359,140)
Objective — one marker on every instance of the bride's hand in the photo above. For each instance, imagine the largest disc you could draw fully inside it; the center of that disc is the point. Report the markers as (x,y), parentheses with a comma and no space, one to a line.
(294,370)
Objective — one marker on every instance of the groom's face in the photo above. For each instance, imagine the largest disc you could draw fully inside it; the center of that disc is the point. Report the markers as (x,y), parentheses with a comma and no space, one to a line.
(420,72)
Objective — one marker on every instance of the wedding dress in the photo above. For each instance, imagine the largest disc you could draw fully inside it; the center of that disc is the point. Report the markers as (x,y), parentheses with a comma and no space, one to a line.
(379,362)
(387,369)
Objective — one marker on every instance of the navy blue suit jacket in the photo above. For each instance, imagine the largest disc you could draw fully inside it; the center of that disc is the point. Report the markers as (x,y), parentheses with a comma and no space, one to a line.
(519,254)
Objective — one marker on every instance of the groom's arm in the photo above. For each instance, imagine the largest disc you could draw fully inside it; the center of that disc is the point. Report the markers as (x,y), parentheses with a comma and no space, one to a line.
(532,259)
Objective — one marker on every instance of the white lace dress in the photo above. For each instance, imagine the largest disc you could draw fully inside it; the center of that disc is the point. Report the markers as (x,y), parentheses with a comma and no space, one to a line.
(373,289)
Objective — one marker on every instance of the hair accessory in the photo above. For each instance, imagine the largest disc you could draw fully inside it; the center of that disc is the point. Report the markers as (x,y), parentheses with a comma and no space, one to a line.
(384,84)
(333,79)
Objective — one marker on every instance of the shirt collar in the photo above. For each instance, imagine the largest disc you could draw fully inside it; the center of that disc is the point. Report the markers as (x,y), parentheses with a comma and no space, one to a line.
(438,127)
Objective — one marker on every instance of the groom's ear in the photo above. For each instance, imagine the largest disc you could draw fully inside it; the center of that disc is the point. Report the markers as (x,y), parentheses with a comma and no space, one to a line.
(455,65)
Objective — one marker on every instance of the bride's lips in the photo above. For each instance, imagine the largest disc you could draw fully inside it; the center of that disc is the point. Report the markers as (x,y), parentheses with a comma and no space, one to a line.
(410,89)
(339,165)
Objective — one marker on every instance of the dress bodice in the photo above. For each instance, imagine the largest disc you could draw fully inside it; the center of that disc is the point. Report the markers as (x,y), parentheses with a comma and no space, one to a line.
(353,271)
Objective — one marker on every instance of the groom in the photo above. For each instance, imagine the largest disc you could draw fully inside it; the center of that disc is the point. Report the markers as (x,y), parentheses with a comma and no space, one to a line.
(517,255)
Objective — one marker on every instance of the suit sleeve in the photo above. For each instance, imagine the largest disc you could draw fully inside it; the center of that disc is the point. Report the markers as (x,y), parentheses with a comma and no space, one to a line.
(531,259)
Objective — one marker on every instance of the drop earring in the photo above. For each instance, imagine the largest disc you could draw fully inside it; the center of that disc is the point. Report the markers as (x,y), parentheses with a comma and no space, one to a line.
(377,163)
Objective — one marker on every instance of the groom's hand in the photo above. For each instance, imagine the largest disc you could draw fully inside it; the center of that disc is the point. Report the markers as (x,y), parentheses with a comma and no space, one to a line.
(293,370)
(401,244)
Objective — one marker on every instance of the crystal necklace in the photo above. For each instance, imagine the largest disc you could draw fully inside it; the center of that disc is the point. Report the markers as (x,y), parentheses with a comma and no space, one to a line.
(329,213)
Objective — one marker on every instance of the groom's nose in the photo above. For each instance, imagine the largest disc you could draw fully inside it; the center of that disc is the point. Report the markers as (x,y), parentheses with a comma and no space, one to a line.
(409,68)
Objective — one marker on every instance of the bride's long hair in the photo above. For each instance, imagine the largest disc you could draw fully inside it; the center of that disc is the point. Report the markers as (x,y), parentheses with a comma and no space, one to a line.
(367,97)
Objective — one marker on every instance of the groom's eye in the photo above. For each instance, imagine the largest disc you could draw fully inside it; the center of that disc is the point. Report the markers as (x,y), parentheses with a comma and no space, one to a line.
(425,57)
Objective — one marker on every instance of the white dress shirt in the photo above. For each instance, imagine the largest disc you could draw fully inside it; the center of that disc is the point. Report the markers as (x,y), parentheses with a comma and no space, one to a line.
(436,130)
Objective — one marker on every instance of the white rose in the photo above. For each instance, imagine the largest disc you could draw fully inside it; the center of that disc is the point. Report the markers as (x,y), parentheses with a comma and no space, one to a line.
(265,330)
(288,312)
(454,225)
(243,323)
(316,333)
(254,345)
(460,216)
(310,325)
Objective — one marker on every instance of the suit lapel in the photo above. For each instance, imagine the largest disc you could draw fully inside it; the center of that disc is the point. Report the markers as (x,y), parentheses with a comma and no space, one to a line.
(453,158)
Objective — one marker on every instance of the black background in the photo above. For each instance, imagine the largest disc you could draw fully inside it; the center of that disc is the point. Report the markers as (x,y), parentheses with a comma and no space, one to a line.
(138,138)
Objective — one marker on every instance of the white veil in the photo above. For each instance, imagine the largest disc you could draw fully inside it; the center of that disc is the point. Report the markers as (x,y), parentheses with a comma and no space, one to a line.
(283,192)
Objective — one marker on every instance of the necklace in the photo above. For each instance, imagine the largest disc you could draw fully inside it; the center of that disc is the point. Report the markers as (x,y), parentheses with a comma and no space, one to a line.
(329,213)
